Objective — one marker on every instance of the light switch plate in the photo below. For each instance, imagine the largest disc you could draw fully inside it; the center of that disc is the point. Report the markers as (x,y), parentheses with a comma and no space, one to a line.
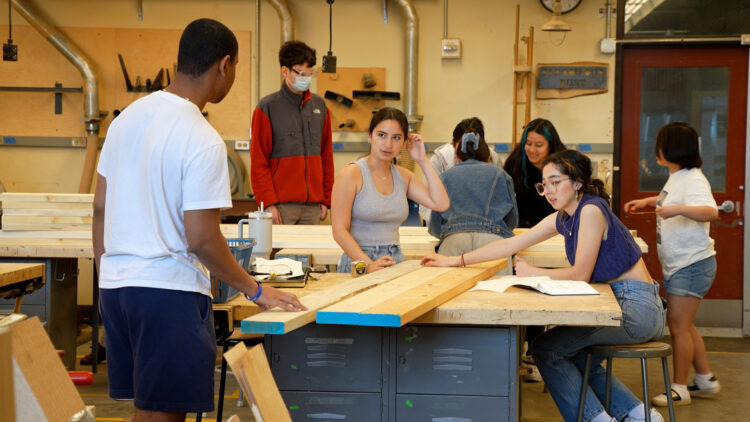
(450,48)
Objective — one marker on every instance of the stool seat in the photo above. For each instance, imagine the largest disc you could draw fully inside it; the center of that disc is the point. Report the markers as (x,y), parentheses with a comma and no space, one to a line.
(652,349)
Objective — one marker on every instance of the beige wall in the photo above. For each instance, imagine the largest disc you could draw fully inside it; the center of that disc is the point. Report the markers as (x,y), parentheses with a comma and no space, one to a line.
(479,84)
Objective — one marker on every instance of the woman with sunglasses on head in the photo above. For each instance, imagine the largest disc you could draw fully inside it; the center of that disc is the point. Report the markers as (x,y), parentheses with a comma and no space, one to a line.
(369,200)
(600,250)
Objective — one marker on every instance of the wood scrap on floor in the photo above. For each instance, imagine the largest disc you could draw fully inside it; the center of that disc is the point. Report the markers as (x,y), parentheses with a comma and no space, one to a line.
(256,380)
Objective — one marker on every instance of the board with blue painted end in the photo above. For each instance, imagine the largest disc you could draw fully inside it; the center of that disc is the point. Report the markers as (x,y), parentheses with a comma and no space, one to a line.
(405,298)
(277,321)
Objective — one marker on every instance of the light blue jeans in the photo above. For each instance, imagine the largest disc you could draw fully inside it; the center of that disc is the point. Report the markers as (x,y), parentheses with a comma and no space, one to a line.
(558,352)
(373,252)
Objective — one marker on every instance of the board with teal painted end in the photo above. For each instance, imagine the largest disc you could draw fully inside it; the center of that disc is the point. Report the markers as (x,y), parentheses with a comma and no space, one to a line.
(262,327)
(340,318)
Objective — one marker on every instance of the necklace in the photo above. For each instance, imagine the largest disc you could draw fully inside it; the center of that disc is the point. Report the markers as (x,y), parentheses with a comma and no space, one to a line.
(569,230)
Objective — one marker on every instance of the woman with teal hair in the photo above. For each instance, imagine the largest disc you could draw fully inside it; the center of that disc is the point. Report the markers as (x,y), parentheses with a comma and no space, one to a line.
(539,139)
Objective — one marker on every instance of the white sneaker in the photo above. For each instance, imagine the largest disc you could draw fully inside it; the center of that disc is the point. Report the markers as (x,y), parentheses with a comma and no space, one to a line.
(655,417)
(713,388)
(677,399)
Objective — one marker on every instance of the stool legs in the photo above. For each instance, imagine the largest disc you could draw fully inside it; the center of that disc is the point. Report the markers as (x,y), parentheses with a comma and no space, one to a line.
(608,385)
(644,375)
(584,387)
(222,383)
(668,388)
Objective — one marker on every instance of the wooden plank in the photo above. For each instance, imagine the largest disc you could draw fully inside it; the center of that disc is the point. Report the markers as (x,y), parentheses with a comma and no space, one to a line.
(89,212)
(7,398)
(22,227)
(12,272)
(402,300)
(518,306)
(47,205)
(254,375)
(44,234)
(277,321)
(46,197)
(10,219)
(344,81)
(44,372)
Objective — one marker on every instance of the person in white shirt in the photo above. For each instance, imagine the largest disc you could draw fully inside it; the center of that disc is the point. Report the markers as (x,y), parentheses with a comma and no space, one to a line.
(684,209)
(162,180)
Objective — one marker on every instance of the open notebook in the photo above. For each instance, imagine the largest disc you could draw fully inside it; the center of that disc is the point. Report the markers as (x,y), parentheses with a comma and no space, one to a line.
(541,284)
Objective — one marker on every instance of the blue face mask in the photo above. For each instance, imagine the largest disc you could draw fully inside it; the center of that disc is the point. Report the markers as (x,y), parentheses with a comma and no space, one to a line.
(302,83)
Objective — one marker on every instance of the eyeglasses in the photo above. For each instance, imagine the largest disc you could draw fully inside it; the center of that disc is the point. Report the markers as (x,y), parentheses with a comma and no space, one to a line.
(304,73)
(551,186)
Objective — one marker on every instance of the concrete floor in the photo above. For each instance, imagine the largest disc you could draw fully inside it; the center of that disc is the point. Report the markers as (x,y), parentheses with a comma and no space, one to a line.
(729,359)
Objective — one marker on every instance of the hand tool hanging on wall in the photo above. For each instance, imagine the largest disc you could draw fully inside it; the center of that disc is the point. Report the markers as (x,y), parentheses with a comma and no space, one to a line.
(10,50)
(376,95)
(339,98)
(150,86)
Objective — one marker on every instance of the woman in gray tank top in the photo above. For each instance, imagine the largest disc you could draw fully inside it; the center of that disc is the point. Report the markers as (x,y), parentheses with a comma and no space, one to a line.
(369,199)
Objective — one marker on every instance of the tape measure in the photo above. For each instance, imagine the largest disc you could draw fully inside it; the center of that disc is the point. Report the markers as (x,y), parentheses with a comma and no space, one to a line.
(358,268)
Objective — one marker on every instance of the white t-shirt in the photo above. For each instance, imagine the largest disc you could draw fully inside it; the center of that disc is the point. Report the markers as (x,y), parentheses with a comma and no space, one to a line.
(680,240)
(161,158)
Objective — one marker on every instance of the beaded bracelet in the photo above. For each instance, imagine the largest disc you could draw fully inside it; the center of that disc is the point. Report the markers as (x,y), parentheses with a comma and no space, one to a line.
(257,294)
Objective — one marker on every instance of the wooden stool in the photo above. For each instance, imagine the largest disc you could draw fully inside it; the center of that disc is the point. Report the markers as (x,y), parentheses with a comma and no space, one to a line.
(643,351)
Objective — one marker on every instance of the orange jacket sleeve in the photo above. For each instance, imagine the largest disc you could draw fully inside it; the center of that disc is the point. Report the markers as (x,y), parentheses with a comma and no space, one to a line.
(261,145)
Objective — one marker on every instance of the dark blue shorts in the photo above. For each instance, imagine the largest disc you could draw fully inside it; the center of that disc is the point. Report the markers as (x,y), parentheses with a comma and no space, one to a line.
(161,348)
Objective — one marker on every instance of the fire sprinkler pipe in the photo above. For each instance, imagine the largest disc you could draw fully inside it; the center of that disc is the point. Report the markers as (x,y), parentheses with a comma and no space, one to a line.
(412,56)
(91,114)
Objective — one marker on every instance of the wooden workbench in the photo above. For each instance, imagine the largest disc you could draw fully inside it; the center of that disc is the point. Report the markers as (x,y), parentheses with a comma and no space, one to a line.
(459,361)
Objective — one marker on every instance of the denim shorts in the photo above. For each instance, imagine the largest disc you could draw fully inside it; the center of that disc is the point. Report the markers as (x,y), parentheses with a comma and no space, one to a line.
(693,280)
(161,348)
(373,252)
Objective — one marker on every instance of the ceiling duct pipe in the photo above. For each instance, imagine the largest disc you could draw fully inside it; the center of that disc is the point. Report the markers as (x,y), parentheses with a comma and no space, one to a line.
(412,59)
(91,114)
(287,20)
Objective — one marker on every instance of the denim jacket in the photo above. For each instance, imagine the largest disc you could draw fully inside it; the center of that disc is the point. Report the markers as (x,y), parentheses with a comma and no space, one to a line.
(482,200)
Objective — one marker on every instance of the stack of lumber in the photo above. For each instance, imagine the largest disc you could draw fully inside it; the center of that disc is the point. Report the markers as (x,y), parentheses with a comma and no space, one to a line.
(391,297)
(34,212)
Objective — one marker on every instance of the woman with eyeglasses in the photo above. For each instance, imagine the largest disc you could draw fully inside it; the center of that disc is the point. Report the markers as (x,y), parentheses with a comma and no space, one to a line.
(600,250)
(524,164)
(369,200)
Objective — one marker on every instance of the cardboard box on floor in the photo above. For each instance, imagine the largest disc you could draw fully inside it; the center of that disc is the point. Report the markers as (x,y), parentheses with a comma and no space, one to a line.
(41,386)
(251,369)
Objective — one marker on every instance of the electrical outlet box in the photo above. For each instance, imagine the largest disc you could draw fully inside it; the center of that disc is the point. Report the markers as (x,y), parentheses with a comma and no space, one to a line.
(242,145)
(10,52)
(608,45)
(450,48)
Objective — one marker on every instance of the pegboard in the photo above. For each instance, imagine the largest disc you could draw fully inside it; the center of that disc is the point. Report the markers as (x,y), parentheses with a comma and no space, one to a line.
(344,81)
(144,52)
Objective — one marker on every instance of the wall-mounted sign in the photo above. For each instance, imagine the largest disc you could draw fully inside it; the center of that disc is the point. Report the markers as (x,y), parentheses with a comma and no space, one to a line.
(571,80)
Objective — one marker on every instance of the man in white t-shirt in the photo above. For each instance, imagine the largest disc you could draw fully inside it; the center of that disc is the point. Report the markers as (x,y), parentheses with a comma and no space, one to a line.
(162,180)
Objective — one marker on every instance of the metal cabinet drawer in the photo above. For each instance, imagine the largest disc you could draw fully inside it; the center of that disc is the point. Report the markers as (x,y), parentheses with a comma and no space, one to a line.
(325,406)
(454,360)
(427,408)
(328,358)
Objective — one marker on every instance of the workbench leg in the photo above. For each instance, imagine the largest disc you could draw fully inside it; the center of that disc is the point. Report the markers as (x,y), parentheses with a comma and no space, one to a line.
(95,320)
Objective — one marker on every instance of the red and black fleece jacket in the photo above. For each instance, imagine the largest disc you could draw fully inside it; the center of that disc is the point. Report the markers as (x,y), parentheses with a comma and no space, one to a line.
(291,152)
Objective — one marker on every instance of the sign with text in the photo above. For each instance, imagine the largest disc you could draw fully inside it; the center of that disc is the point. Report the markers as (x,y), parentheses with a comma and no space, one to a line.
(571,80)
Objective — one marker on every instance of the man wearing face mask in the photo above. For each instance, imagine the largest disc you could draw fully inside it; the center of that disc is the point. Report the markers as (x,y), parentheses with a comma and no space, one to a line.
(291,152)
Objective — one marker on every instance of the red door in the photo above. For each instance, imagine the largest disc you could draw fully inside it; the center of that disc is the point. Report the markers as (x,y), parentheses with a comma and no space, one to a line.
(706,87)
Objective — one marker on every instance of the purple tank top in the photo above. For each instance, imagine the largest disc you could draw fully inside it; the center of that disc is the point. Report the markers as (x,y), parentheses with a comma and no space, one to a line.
(617,253)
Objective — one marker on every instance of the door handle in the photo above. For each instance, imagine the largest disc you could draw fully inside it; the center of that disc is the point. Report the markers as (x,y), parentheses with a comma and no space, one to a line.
(727,207)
